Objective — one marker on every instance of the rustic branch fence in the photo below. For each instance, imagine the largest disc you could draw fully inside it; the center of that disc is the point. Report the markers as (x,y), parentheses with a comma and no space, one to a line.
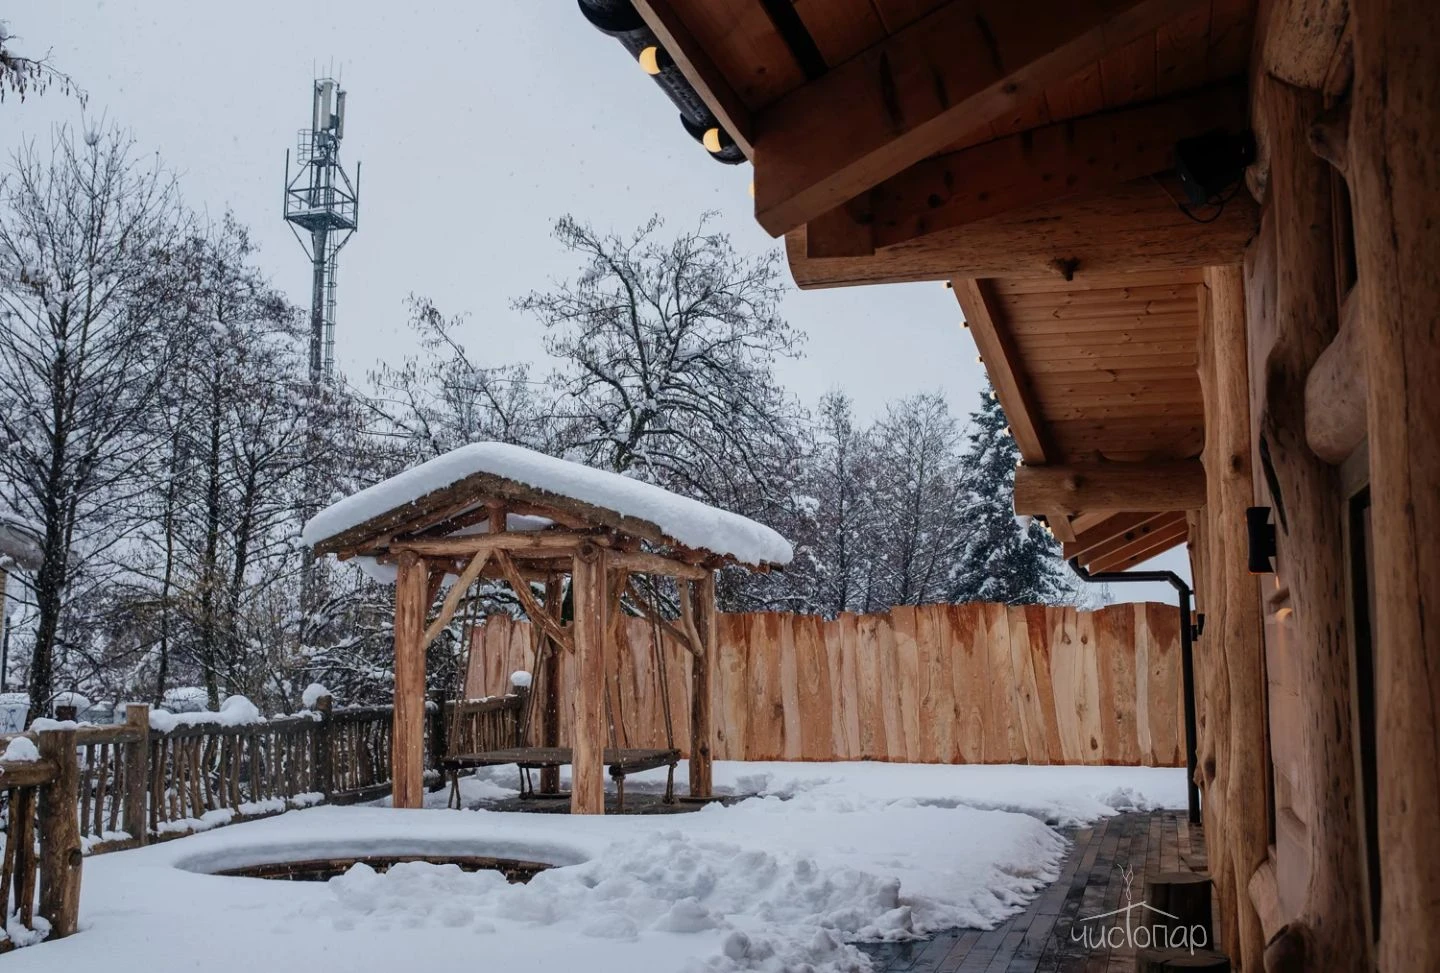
(134,784)
(975,683)
(42,842)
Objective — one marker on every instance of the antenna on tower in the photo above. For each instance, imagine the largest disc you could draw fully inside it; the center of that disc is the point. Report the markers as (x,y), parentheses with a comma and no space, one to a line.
(322,201)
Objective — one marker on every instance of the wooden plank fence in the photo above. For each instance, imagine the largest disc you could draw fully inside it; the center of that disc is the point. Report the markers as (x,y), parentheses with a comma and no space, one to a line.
(974,683)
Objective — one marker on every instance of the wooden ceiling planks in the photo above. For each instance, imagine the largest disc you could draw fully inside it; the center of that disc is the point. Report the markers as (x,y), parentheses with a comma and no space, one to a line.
(1109,362)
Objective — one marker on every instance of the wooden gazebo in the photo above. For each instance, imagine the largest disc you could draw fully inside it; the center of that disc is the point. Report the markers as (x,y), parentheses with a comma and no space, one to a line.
(497,511)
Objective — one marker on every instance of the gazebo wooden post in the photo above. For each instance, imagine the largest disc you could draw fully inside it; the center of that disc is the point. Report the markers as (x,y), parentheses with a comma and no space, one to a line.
(702,668)
(549,677)
(590,588)
(407,756)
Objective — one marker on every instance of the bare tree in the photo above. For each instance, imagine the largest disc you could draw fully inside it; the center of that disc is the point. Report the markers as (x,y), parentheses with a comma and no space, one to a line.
(86,239)
(445,398)
(667,349)
(30,75)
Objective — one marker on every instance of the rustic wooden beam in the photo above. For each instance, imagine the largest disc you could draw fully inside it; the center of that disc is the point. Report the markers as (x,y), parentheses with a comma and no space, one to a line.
(1143,549)
(1308,509)
(587,725)
(1077,488)
(1394,145)
(1135,228)
(1082,155)
(549,675)
(644,562)
(985,320)
(61,856)
(453,596)
(1233,607)
(533,609)
(1335,391)
(703,664)
(1002,361)
(1301,37)
(916,92)
(697,67)
(408,747)
(675,632)
(546,543)
(1117,532)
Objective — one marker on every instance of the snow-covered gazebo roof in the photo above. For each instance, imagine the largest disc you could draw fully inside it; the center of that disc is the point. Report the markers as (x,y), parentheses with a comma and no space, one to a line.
(455,494)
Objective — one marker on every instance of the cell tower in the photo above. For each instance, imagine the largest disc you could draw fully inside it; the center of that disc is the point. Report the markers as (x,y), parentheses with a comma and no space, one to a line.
(321,200)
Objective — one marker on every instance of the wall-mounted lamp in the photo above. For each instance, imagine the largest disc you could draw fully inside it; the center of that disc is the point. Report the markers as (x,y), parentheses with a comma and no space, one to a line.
(650,60)
(1262,540)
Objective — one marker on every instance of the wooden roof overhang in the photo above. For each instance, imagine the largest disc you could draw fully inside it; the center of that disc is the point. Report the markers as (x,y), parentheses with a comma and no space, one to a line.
(1025,153)
(538,527)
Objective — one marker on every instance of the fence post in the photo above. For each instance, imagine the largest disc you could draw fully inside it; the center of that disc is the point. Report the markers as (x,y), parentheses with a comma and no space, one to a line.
(60,853)
(325,747)
(137,772)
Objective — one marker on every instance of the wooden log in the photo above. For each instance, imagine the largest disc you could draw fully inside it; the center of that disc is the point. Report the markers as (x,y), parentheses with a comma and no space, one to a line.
(1335,391)
(61,857)
(1078,488)
(549,675)
(407,762)
(1134,228)
(1078,155)
(1394,148)
(702,675)
(643,562)
(588,725)
(1234,616)
(1309,527)
(1184,895)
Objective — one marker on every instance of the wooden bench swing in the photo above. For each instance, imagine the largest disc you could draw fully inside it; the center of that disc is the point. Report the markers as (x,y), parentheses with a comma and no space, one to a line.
(476,515)
(467,747)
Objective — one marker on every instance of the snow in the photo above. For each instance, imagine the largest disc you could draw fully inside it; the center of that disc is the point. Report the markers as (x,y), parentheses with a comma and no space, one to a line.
(235,711)
(21,750)
(520,679)
(312,695)
(687,521)
(826,855)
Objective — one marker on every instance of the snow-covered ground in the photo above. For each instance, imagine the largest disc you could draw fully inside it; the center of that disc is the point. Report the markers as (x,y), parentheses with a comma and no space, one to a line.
(826,854)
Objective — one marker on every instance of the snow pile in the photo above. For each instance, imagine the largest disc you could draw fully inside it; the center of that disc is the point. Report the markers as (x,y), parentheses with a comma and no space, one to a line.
(688,521)
(235,711)
(312,695)
(80,701)
(185,699)
(520,679)
(21,751)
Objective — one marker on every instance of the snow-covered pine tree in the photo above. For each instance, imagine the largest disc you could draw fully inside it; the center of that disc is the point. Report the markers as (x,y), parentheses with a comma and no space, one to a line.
(1003,558)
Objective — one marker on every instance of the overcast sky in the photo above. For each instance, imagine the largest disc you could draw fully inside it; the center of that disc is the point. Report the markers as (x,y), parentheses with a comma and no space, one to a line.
(478,124)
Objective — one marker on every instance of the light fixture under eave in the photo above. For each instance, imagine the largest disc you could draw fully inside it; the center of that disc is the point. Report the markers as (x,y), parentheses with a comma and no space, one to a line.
(711,140)
(650,60)
(752,188)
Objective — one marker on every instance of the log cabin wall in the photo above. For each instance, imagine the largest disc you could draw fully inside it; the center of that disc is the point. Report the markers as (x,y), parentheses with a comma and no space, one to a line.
(1320,791)
(932,684)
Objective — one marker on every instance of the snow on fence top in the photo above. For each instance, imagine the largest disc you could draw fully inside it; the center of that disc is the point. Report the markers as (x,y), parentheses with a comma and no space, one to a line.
(686,521)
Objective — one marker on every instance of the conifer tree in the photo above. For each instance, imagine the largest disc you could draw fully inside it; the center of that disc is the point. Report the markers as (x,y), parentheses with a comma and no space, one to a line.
(1004,558)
